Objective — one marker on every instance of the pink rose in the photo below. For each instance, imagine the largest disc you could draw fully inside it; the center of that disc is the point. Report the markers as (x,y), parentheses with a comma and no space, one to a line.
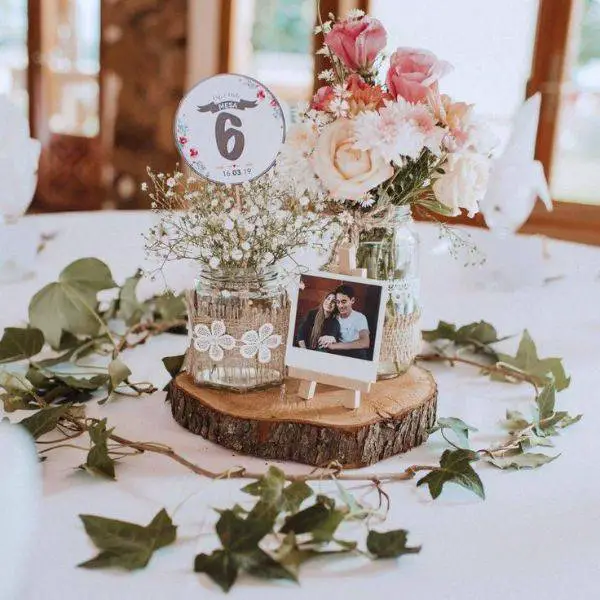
(357,42)
(322,98)
(414,74)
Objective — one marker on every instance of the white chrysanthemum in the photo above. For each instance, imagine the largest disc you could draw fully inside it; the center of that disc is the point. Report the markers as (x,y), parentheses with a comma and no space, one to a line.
(237,254)
(171,182)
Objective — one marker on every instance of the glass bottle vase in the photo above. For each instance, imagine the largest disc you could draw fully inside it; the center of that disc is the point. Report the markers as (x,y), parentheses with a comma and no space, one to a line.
(391,254)
(238,322)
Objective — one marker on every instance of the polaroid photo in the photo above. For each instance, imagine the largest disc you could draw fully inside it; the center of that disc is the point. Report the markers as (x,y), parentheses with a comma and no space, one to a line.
(336,325)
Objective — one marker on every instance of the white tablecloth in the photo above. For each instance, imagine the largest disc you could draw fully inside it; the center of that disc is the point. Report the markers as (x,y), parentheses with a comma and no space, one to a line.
(537,535)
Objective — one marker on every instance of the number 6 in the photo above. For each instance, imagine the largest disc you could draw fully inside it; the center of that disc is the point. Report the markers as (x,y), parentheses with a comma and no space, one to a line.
(223,135)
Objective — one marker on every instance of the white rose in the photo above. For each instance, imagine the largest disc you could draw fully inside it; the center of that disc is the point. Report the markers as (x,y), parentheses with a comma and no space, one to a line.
(346,172)
(464,182)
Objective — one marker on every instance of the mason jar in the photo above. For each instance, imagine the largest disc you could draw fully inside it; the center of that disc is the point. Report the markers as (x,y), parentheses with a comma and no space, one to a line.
(391,254)
(238,324)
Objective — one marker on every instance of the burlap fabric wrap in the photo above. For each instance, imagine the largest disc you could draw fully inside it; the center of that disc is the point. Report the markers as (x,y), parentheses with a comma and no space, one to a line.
(240,313)
(401,340)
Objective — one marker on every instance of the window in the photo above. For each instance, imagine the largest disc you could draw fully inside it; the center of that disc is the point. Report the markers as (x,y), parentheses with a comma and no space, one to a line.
(575,173)
(272,41)
(13,52)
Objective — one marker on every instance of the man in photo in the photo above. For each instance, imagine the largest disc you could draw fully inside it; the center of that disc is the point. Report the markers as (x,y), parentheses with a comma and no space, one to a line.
(354,338)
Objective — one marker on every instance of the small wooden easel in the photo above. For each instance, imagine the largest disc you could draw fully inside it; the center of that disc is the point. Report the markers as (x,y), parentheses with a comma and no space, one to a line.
(309,379)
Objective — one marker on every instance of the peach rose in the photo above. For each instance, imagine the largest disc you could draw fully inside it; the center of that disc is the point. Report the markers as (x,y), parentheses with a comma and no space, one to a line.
(346,172)
(357,42)
(414,73)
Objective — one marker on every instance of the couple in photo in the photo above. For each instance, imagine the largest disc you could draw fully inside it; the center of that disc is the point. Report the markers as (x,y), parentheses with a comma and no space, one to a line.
(335,326)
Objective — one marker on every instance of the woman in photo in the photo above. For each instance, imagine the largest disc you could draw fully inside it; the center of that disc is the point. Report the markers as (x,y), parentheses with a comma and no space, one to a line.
(320,323)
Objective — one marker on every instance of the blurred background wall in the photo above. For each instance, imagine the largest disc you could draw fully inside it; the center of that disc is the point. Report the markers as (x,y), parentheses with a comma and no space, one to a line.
(101,79)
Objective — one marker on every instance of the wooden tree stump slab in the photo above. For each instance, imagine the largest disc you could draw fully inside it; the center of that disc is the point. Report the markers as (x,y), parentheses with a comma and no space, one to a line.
(394,416)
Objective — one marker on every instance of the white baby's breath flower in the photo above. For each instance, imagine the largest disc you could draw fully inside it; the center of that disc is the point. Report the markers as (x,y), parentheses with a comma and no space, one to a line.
(237,254)
(355,13)
(327,75)
(339,107)
(304,200)
(144,186)
(245,246)
(214,262)
(228,224)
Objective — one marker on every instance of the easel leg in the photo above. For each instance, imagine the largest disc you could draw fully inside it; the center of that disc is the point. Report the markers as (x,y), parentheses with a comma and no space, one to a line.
(306,391)
(352,399)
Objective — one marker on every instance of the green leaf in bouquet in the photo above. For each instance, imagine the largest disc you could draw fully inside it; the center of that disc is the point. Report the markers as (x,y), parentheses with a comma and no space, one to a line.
(544,369)
(127,545)
(70,304)
(455,467)
(458,427)
(515,421)
(20,343)
(390,544)
(526,460)
(98,460)
(45,420)
(443,331)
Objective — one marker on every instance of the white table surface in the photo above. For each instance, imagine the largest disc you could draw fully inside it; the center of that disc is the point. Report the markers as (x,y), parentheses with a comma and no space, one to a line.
(537,535)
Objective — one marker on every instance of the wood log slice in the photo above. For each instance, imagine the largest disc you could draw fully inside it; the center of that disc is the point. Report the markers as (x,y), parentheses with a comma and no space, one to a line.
(394,416)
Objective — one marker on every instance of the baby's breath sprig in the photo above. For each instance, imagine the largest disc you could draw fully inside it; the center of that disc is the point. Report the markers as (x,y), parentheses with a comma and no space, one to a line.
(250,226)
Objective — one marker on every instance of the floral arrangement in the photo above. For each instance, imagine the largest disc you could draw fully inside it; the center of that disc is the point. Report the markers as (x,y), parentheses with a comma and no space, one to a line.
(376,136)
(250,226)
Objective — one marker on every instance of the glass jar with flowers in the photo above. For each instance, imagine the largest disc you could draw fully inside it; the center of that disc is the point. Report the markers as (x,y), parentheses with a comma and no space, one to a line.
(380,142)
(244,239)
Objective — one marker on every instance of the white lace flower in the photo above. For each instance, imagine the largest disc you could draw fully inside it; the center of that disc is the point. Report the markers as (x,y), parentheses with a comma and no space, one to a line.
(215,340)
(260,342)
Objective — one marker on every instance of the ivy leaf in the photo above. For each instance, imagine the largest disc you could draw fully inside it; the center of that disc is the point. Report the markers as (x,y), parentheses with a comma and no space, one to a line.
(527,460)
(17,344)
(69,304)
(515,421)
(129,308)
(458,427)
(272,491)
(242,535)
(45,420)
(478,335)
(291,556)
(221,566)
(390,544)
(321,520)
(174,364)
(98,461)
(170,307)
(544,369)
(83,383)
(454,467)
(13,402)
(545,402)
(118,372)
(127,545)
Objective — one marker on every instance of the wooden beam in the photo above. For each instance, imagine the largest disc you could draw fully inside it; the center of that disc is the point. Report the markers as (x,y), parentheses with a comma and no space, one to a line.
(225,36)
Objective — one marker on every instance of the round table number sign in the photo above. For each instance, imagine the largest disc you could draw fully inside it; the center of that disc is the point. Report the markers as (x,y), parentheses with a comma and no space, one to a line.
(229,128)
